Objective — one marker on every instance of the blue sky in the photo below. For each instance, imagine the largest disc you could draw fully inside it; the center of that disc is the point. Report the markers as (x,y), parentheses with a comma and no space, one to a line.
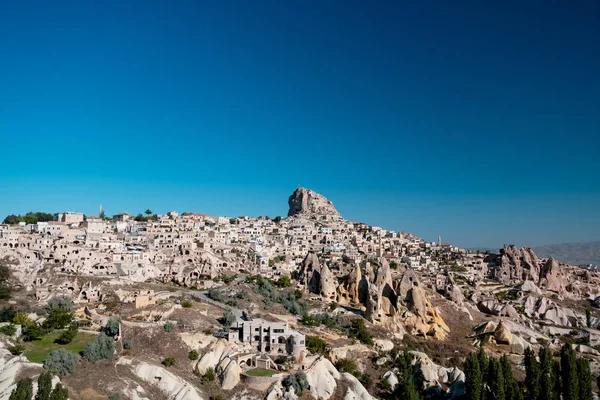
(478,122)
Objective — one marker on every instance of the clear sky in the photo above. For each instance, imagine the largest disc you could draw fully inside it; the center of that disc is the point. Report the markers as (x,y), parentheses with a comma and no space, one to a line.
(475,121)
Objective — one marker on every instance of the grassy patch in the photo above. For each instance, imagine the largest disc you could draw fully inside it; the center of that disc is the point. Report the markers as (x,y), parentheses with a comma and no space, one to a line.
(36,351)
(260,372)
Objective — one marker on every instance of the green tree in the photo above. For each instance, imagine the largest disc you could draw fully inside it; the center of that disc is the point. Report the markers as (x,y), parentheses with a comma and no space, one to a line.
(44,386)
(532,375)
(112,327)
(148,212)
(547,389)
(585,379)
(495,380)
(228,319)
(23,391)
(512,390)
(59,393)
(568,370)
(32,332)
(588,317)
(100,348)
(473,377)
(58,318)
(61,361)
(406,388)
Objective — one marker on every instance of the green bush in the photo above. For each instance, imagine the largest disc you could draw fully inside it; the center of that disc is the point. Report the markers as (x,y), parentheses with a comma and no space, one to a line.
(32,332)
(101,348)
(186,303)
(7,314)
(128,345)
(17,349)
(112,327)
(67,336)
(167,362)
(346,365)
(8,330)
(58,318)
(215,294)
(61,303)
(168,327)
(209,375)
(193,355)
(316,345)
(61,361)
(298,382)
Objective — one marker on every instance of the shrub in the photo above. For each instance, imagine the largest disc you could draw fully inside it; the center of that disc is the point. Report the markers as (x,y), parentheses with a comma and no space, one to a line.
(215,295)
(61,303)
(67,336)
(23,391)
(167,362)
(284,282)
(297,381)
(8,330)
(32,332)
(61,361)
(227,319)
(21,318)
(346,365)
(7,313)
(186,303)
(128,345)
(193,355)
(316,345)
(101,348)
(168,327)
(115,396)
(209,375)
(359,331)
(17,349)
(112,327)
(58,318)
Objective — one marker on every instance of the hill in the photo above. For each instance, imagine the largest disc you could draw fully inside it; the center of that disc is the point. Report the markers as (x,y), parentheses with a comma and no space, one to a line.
(572,253)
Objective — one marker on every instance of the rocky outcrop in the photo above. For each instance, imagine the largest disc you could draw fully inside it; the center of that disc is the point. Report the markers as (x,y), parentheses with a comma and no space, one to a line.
(517,265)
(349,290)
(175,387)
(434,378)
(552,277)
(403,304)
(318,278)
(306,203)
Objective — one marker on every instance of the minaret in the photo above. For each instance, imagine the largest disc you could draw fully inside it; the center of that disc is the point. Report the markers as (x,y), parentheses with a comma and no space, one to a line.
(101,213)
(439,240)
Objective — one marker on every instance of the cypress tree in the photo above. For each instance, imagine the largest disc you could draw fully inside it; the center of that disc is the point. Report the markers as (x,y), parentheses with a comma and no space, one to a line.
(585,379)
(59,393)
(547,375)
(473,378)
(511,386)
(533,375)
(495,380)
(23,391)
(44,386)
(568,371)
(557,388)
(406,389)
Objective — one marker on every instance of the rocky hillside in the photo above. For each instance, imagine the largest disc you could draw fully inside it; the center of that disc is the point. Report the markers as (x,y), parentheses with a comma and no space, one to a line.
(572,253)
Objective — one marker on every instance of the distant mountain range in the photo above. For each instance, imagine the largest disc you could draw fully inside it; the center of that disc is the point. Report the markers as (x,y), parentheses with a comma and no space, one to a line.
(571,253)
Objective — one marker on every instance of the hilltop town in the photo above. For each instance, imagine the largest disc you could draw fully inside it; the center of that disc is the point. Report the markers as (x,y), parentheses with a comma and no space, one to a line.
(254,307)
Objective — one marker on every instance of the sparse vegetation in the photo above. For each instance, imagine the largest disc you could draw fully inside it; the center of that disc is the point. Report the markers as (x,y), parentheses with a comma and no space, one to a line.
(193,355)
(169,361)
(168,326)
(316,345)
(298,382)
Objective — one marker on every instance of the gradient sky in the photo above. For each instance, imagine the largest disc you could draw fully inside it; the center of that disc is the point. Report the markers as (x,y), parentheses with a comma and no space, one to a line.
(478,122)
